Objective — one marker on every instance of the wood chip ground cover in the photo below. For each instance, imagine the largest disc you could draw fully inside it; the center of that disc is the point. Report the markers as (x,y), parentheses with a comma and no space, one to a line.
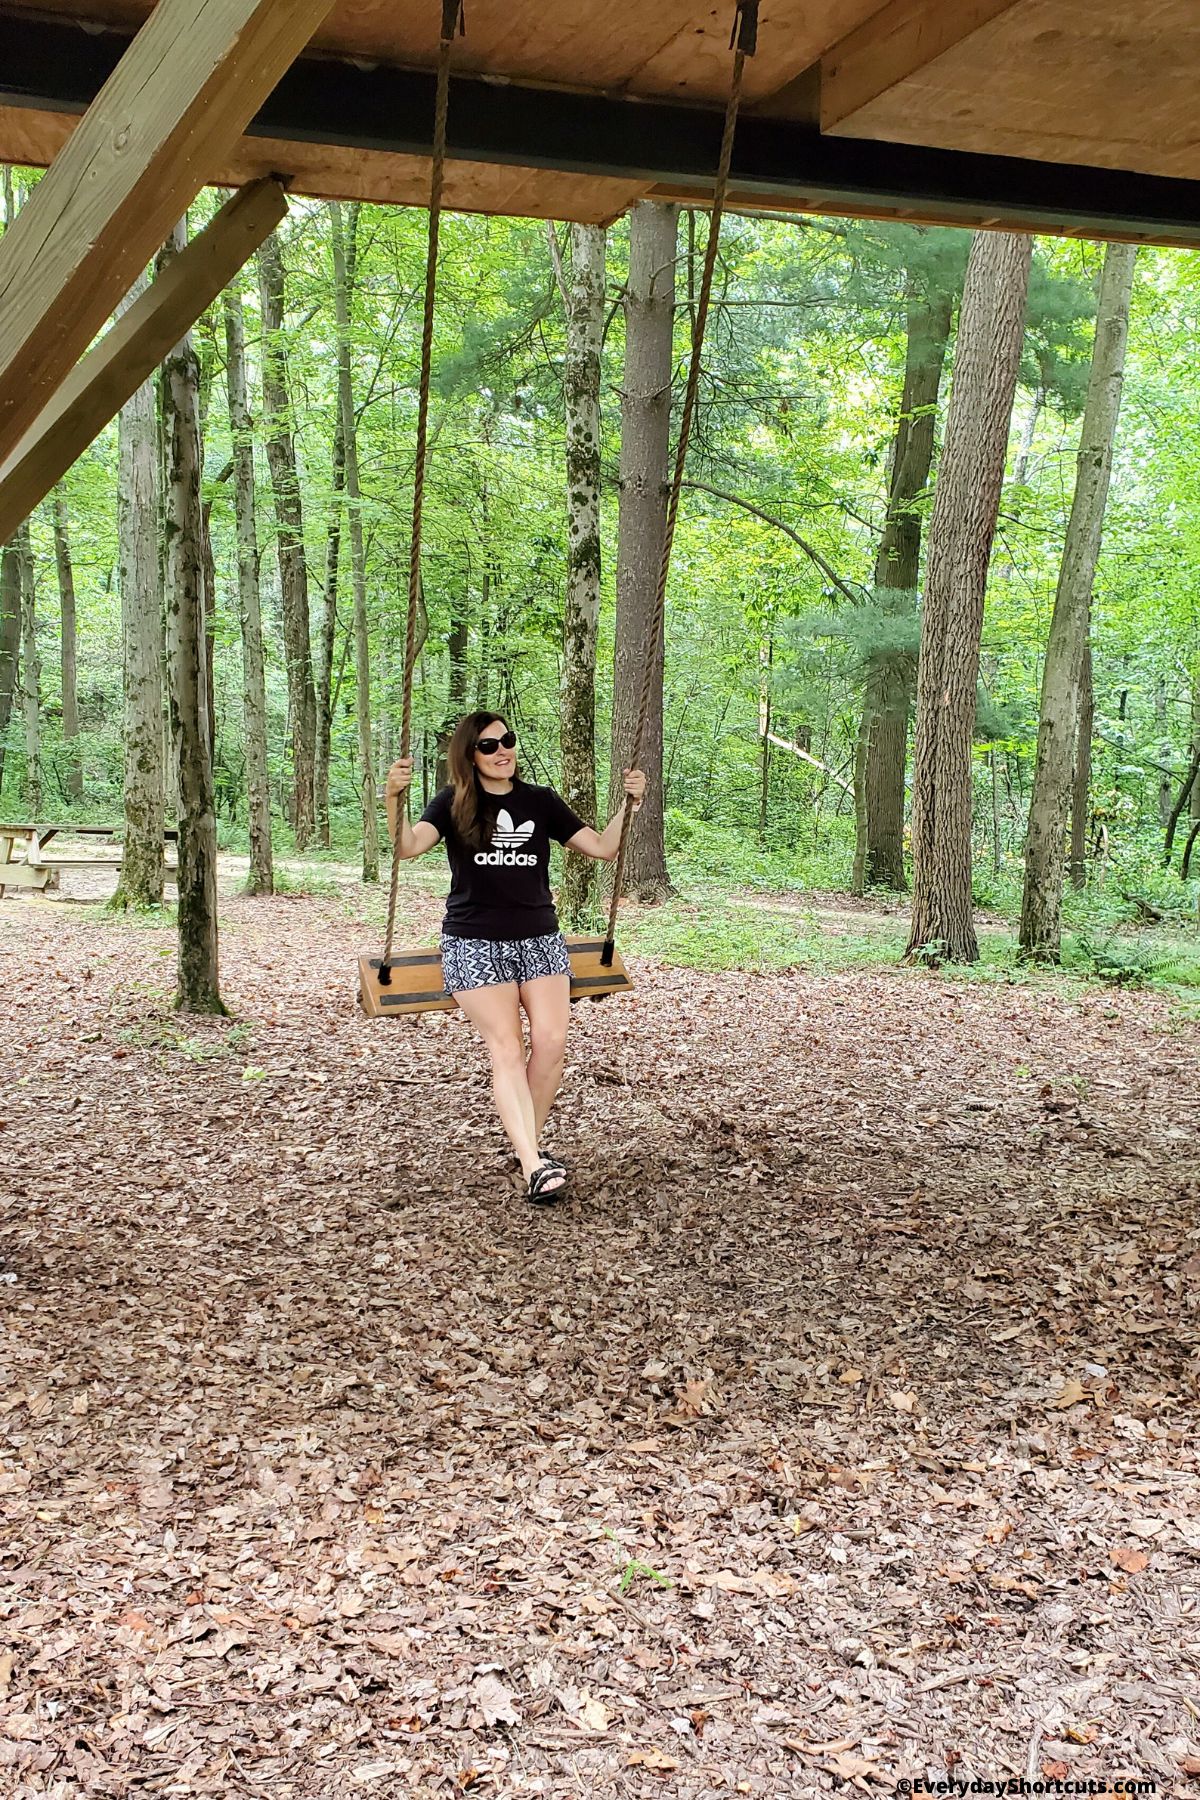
(839,1431)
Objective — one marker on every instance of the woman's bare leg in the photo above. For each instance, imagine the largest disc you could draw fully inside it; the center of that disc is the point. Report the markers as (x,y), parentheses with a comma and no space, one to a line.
(495,1014)
(547,1003)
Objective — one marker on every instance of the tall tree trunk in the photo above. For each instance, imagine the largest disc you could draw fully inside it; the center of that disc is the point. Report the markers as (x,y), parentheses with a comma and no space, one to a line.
(862,745)
(965,507)
(258,783)
(645,480)
(328,638)
(458,635)
(766,660)
(1164,745)
(10,639)
(1041,903)
(66,605)
(1028,433)
(187,694)
(1082,783)
(1196,735)
(345,254)
(10,565)
(483,682)
(897,575)
(208,577)
(31,674)
(458,629)
(141,882)
(583,298)
(1190,783)
(289,538)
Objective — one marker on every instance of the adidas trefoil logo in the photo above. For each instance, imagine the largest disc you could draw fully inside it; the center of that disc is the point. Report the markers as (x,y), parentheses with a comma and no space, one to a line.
(508,845)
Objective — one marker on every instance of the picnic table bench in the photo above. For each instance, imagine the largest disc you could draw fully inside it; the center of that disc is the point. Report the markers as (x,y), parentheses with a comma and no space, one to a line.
(34,869)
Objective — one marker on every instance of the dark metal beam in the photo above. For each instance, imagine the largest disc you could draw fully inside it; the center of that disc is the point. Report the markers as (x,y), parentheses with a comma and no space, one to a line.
(57,66)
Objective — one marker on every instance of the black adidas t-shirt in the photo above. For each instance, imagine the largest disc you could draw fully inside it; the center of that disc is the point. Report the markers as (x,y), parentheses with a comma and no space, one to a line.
(504,891)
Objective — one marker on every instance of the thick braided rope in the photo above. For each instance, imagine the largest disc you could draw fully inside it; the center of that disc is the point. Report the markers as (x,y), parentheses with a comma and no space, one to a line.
(452,25)
(744,37)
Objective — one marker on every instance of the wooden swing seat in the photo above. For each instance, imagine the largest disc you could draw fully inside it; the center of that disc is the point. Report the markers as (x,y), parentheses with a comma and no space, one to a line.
(416,984)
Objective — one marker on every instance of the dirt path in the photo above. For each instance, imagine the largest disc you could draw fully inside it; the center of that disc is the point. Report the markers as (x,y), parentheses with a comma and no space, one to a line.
(870,1328)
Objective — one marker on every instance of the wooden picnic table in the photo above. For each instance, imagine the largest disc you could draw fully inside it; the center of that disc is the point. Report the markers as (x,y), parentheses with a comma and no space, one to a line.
(35,870)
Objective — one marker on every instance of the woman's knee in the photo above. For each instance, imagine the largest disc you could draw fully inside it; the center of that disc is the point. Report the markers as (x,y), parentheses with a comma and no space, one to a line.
(548,1041)
(507,1051)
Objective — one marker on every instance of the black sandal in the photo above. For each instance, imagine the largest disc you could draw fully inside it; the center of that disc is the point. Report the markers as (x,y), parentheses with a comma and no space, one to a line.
(539,1193)
(556,1162)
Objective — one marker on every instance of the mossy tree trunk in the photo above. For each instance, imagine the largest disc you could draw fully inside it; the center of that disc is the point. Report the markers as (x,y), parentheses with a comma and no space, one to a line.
(583,298)
(31,674)
(289,539)
(10,638)
(345,257)
(10,561)
(258,786)
(327,639)
(140,581)
(198,987)
(966,504)
(66,603)
(1058,725)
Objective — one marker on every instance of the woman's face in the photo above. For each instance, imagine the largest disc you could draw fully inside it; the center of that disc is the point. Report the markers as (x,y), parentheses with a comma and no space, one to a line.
(501,763)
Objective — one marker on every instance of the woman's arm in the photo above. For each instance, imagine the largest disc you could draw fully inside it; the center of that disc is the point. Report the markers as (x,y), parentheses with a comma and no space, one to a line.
(602,846)
(414,839)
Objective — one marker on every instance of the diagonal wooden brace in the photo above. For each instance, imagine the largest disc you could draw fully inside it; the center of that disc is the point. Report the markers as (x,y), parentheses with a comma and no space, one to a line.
(98,387)
(178,101)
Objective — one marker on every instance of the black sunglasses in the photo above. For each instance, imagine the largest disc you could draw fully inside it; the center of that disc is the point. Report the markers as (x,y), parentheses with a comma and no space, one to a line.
(489,746)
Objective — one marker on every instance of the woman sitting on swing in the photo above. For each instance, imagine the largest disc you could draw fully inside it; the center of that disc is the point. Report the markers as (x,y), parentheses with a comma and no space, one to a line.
(501,945)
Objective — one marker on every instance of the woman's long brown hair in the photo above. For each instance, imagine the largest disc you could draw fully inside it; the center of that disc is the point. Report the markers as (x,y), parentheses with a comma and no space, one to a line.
(468,794)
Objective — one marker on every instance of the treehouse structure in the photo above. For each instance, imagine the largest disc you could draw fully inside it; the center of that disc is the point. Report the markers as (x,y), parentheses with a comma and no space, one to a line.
(1067,116)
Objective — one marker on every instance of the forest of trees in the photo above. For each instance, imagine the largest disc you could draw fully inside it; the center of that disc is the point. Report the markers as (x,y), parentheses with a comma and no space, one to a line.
(933,620)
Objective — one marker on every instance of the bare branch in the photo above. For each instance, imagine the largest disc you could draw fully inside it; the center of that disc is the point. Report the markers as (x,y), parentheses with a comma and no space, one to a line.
(795,750)
(826,568)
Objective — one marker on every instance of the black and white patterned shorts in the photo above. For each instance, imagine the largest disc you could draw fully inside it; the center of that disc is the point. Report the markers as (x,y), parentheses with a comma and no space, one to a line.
(486,962)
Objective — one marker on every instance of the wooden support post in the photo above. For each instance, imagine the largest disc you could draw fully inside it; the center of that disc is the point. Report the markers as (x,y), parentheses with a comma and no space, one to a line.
(904,37)
(176,104)
(98,387)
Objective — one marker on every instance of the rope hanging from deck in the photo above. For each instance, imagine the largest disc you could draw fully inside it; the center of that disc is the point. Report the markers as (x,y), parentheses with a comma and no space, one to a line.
(743,42)
(452,26)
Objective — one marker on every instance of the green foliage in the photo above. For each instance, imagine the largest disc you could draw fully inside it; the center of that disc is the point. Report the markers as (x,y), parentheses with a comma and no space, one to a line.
(1127,965)
(632,1568)
(301,881)
(168,1040)
(772,601)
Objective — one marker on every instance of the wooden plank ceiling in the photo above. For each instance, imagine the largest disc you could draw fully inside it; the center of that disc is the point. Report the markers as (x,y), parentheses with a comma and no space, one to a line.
(1093,82)
(1100,82)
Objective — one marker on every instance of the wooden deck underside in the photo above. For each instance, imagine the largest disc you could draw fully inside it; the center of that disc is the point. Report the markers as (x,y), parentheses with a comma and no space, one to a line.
(1094,83)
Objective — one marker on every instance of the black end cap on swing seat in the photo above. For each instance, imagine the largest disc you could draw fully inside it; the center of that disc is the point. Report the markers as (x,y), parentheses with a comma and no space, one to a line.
(606,955)
(385,974)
